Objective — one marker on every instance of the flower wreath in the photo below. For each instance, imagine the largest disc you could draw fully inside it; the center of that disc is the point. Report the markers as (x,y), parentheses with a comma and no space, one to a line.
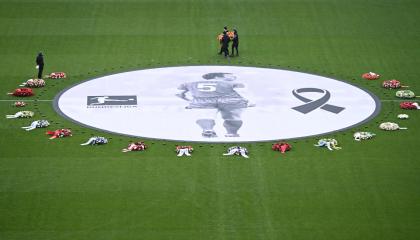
(392,84)
(184,150)
(34,83)
(135,146)
(237,150)
(95,141)
(22,92)
(409,105)
(22,114)
(57,75)
(370,76)
(390,126)
(402,116)
(405,94)
(37,124)
(358,136)
(330,143)
(19,104)
(281,147)
(59,133)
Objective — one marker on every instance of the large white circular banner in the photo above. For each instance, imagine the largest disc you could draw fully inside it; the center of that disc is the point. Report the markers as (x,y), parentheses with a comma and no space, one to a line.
(217,104)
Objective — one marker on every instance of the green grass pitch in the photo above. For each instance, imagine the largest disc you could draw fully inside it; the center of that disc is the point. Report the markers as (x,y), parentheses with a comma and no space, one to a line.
(55,189)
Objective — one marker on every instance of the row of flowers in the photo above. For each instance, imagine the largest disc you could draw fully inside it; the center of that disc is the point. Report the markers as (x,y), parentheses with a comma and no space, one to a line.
(27,87)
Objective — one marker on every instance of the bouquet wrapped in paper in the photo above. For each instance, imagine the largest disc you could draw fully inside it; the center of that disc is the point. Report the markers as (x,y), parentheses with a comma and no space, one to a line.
(409,105)
(184,150)
(281,147)
(237,150)
(22,92)
(37,124)
(329,143)
(135,146)
(358,136)
(59,133)
(370,76)
(33,83)
(97,140)
(21,114)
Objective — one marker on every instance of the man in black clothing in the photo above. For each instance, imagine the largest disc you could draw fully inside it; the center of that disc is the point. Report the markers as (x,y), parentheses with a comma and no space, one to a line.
(40,64)
(225,30)
(225,44)
(235,43)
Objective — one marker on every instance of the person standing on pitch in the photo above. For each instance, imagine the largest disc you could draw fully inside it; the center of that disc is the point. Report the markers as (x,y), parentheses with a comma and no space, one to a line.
(235,43)
(225,30)
(40,64)
(225,44)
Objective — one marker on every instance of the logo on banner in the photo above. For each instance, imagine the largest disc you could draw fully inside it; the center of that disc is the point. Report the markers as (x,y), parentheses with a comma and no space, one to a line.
(112,101)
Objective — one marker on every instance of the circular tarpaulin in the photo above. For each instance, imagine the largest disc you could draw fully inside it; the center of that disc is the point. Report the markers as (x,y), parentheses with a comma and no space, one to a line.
(217,104)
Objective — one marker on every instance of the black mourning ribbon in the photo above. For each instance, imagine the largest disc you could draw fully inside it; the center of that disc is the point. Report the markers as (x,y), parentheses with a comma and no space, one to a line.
(314,104)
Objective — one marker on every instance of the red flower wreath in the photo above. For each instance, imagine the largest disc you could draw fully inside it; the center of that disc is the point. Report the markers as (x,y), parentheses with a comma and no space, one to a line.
(20,104)
(57,75)
(135,146)
(391,84)
(409,105)
(281,147)
(59,133)
(22,92)
(370,76)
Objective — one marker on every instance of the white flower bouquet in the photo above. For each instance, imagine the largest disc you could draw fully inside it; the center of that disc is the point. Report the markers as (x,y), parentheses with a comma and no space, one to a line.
(37,124)
(21,114)
(97,140)
(390,126)
(329,143)
(358,136)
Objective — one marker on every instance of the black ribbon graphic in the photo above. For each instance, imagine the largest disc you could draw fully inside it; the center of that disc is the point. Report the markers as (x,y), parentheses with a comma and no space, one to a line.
(314,104)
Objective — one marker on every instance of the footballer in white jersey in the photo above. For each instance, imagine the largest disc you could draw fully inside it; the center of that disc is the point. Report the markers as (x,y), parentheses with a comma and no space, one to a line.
(216,91)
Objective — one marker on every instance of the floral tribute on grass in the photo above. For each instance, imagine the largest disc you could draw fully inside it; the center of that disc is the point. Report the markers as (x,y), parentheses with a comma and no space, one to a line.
(135,146)
(19,104)
(329,143)
(34,83)
(409,105)
(97,140)
(371,76)
(390,126)
(402,116)
(37,124)
(358,136)
(21,114)
(56,75)
(281,147)
(59,133)
(184,150)
(405,94)
(22,92)
(392,84)
(238,151)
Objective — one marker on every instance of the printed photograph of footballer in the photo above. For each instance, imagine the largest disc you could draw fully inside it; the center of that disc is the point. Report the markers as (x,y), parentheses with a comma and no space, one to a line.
(213,95)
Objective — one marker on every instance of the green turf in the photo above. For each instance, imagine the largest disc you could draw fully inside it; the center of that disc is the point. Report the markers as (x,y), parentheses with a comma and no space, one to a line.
(55,189)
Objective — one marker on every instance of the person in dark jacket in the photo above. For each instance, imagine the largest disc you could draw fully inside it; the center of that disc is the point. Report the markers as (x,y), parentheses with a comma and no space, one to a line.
(225,44)
(235,43)
(40,64)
